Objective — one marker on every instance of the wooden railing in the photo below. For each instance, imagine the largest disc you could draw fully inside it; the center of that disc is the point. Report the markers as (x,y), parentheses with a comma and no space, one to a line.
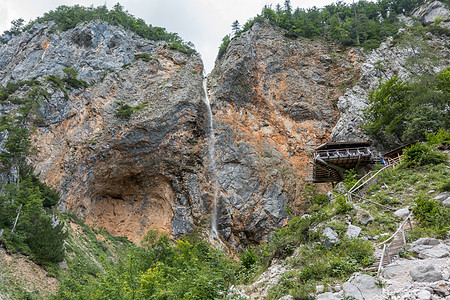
(363,184)
(348,152)
(392,247)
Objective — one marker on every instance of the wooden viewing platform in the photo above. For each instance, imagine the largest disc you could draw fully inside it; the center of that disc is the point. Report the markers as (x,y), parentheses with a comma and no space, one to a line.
(331,160)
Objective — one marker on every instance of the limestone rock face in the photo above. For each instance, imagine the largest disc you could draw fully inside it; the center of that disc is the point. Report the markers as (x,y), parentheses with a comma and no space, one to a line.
(431,11)
(125,176)
(393,57)
(274,101)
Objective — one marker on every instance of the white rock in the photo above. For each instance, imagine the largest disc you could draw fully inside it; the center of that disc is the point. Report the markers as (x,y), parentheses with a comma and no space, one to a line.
(353,231)
(330,234)
(423,295)
(439,251)
(425,273)
(402,212)
(392,270)
(288,297)
(442,197)
(320,288)
(361,286)
(327,296)
(446,202)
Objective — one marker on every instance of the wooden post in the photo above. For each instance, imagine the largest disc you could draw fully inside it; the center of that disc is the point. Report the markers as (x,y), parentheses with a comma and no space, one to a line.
(15,222)
(403,234)
(381,260)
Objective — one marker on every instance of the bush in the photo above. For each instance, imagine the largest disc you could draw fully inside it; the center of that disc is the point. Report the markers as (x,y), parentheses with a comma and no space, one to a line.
(342,205)
(144,56)
(444,186)
(420,155)
(125,111)
(432,214)
(441,137)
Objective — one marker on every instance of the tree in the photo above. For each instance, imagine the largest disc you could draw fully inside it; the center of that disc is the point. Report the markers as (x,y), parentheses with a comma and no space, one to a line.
(235,27)
(387,111)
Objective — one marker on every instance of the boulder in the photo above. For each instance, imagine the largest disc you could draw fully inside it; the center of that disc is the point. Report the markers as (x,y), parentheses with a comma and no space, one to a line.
(442,196)
(327,296)
(429,248)
(402,212)
(353,231)
(425,273)
(423,295)
(439,251)
(288,297)
(446,202)
(330,234)
(361,286)
(392,270)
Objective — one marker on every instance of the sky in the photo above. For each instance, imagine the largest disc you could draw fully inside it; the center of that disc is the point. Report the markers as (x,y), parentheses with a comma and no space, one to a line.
(203,22)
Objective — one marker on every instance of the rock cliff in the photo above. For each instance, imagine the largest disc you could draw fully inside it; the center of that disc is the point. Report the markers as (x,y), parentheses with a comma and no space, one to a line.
(407,55)
(274,101)
(125,176)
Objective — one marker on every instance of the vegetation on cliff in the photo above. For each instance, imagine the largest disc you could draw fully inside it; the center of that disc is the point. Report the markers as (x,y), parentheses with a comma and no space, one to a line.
(27,213)
(363,23)
(67,17)
(403,112)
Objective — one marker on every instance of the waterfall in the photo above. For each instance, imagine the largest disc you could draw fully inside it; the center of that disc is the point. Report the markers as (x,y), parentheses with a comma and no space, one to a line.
(214,235)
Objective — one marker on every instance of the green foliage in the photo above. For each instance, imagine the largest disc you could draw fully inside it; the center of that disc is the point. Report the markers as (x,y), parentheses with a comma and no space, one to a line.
(23,196)
(144,56)
(223,47)
(314,263)
(71,79)
(284,240)
(67,17)
(432,214)
(156,270)
(125,111)
(68,82)
(402,112)
(441,137)
(45,241)
(444,186)
(351,177)
(420,154)
(387,111)
(343,206)
(362,23)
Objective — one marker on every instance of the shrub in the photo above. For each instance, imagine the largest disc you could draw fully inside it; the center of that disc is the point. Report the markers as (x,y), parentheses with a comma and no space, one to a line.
(444,186)
(46,242)
(419,154)
(342,205)
(145,57)
(441,137)
(432,214)
(124,111)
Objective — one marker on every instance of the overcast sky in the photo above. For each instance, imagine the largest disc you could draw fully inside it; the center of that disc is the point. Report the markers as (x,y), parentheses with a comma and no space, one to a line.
(203,22)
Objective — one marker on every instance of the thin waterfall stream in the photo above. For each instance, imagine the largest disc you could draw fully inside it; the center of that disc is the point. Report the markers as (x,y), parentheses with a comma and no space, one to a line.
(214,234)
